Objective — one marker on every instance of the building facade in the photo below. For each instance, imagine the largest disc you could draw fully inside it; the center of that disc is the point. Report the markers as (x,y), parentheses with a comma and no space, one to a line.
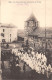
(8,33)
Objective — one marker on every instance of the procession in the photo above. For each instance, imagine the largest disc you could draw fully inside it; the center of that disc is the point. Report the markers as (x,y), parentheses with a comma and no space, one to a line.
(37,61)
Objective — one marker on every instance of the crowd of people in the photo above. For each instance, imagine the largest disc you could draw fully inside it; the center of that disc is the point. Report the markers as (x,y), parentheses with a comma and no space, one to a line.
(37,61)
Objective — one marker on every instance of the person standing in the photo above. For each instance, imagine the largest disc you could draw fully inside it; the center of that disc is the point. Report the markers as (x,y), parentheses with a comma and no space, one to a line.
(24,67)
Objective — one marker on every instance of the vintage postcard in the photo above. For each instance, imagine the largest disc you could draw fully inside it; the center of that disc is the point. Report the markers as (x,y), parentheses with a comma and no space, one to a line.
(25,39)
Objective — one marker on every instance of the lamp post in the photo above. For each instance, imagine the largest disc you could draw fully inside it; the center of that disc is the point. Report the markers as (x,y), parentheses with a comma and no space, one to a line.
(45,26)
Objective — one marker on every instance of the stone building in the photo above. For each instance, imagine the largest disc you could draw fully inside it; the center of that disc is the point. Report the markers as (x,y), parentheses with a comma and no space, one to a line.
(36,34)
(8,33)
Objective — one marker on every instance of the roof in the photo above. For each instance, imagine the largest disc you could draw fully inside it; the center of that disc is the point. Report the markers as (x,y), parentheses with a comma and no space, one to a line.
(7,25)
(21,33)
(32,18)
(40,32)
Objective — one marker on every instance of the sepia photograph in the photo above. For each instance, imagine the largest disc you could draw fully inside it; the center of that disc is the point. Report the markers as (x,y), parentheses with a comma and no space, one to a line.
(25,40)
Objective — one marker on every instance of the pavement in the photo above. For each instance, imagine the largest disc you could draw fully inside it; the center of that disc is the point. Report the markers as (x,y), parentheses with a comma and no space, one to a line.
(28,75)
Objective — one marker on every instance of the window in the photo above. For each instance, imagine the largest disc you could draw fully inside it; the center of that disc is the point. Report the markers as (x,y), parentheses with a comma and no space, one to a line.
(36,24)
(3,40)
(3,30)
(30,23)
(2,34)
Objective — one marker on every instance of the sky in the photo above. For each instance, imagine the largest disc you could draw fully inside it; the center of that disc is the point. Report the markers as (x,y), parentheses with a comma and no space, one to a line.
(18,11)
